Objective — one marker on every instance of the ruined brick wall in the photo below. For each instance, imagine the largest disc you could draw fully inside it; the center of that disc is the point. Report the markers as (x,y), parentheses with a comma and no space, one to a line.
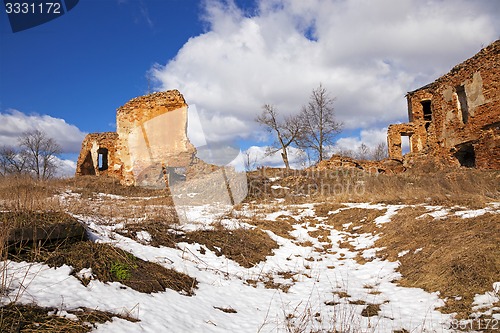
(388,166)
(99,148)
(487,148)
(414,130)
(149,146)
(152,137)
(457,115)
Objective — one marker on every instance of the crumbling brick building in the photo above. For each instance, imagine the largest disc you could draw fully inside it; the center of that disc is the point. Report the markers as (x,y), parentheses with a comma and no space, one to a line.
(149,147)
(456,118)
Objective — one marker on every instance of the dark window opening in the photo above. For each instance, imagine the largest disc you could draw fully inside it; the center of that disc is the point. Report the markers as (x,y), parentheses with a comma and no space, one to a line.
(102,159)
(465,155)
(462,101)
(426,106)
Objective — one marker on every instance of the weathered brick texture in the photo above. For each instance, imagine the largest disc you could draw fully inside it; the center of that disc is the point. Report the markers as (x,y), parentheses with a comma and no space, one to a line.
(457,117)
(96,144)
(149,146)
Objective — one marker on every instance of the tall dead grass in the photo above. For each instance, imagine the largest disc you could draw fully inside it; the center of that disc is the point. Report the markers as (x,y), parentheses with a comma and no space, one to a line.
(459,257)
(22,199)
(23,193)
(469,187)
(88,186)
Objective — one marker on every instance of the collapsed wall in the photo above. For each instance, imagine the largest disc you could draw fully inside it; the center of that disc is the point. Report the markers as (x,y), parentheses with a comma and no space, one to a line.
(150,146)
(455,119)
(152,137)
(98,155)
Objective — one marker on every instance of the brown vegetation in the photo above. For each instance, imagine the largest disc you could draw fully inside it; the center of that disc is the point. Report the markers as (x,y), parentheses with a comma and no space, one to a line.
(247,247)
(454,255)
(467,187)
(110,264)
(32,318)
(281,226)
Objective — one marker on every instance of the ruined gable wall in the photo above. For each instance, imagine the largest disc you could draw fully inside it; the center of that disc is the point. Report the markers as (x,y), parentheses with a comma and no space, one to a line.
(88,159)
(448,129)
(152,134)
(479,76)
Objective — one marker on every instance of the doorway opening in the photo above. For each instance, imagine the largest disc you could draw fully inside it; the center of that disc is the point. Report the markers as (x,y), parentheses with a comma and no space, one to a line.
(466,155)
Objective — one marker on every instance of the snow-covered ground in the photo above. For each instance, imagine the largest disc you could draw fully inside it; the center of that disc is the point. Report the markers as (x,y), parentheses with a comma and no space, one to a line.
(328,290)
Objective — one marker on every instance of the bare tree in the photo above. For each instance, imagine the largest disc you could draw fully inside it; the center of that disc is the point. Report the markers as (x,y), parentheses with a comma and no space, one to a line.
(318,121)
(346,153)
(380,152)
(363,152)
(287,130)
(12,161)
(41,152)
(250,161)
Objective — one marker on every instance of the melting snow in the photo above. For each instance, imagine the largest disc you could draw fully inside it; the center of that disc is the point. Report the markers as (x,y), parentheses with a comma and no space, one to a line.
(324,289)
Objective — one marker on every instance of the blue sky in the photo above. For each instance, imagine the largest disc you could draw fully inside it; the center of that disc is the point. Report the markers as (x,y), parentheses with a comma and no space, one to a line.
(85,64)
(229,58)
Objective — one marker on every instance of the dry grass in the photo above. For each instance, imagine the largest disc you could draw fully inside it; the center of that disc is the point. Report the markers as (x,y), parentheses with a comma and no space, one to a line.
(321,234)
(161,230)
(360,220)
(107,200)
(324,209)
(20,219)
(247,247)
(371,310)
(456,256)
(269,282)
(226,309)
(88,186)
(342,294)
(26,194)
(110,264)
(16,318)
(282,226)
(468,187)
(21,194)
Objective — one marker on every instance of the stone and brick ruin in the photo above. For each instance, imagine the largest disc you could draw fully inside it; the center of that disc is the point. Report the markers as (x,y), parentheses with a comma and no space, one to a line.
(150,145)
(456,119)
(151,148)
(453,121)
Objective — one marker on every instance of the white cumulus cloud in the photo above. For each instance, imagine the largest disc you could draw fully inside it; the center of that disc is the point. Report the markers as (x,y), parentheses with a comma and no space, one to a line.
(256,156)
(370,137)
(367,53)
(65,168)
(13,123)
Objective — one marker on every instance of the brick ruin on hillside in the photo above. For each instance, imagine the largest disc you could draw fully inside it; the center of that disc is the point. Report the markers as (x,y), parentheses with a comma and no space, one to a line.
(455,120)
(150,148)
(150,145)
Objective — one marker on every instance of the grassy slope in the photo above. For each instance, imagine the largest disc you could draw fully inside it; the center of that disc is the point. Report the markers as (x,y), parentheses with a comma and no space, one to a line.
(459,257)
